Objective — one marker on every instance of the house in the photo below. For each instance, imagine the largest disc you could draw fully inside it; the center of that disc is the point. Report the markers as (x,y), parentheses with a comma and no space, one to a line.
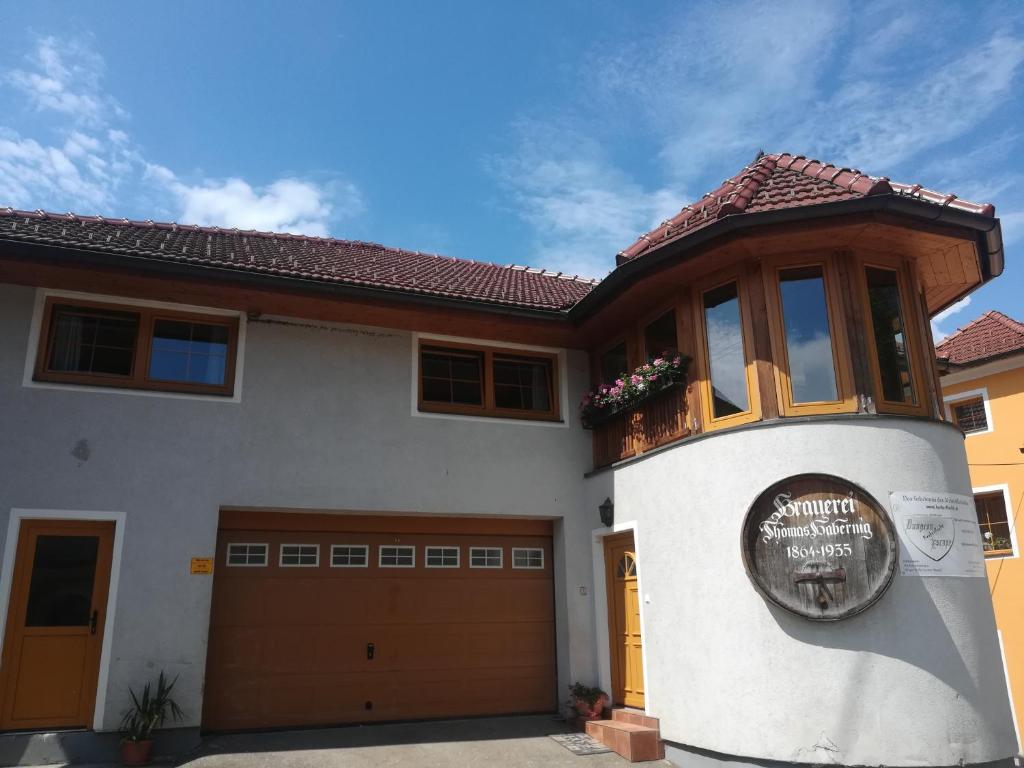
(323,481)
(983,392)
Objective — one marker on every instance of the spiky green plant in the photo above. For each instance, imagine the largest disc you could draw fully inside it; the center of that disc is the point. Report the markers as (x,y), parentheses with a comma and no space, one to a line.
(150,710)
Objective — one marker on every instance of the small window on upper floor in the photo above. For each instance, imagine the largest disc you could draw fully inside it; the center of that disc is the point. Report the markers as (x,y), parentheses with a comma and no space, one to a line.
(613,363)
(970,415)
(661,337)
(485,381)
(136,347)
(892,361)
(996,536)
(299,556)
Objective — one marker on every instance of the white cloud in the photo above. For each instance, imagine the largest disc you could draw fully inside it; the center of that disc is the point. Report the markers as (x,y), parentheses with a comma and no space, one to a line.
(98,168)
(939,334)
(286,205)
(65,78)
(582,209)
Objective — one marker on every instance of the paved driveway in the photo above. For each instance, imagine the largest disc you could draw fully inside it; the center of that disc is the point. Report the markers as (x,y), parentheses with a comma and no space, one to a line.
(515,742)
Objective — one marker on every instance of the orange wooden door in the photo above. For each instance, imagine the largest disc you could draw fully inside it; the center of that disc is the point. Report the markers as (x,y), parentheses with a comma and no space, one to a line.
(624,621)
(54,631)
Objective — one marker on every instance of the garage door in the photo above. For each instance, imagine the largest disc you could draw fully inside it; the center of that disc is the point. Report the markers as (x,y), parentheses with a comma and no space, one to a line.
(324,619)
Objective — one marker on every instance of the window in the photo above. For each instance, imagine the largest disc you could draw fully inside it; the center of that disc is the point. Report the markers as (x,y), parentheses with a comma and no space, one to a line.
(727,379)
(529,558)
(349,555)
(397,557)
(83,342)
(300,555)
(488,382)
(442,557)
(995,525)
(247,554)
(813,367)
(660,337)
(485,557)
(893,368)
(970,415)
(613,362)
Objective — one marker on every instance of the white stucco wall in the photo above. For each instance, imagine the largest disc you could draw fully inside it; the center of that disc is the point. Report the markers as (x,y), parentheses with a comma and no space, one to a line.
(325,423)
(914,680)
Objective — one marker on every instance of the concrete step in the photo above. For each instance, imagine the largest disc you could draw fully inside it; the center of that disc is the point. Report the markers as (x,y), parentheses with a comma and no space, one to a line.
(636,717)
(636,743)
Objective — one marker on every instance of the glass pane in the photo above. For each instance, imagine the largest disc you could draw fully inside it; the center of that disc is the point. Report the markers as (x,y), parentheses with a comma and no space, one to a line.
(60,591)
(890,335)
(191,353)
(91,340)
(812,373)
(452,377)
(613,363)
(522,383)
(725,351)
(660,337)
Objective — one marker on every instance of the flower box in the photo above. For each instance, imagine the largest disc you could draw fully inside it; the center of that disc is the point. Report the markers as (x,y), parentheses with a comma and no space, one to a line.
(632,389)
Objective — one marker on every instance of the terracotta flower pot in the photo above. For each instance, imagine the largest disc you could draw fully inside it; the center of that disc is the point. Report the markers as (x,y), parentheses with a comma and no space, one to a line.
(136,752)
(585,711)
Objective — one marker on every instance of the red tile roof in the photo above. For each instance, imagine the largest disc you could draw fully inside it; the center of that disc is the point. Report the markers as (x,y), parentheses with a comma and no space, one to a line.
(991,335)
(784,181)
(306,258)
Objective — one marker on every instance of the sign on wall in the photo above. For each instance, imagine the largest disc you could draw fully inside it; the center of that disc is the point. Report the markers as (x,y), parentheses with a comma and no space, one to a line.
(939,534)
(200,566)
(819,546)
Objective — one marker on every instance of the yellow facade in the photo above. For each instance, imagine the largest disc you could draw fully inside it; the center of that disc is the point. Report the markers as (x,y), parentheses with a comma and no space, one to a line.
(997,463)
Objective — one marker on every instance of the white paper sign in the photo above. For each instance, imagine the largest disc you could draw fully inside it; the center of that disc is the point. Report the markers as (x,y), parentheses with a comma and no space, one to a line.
(938,533)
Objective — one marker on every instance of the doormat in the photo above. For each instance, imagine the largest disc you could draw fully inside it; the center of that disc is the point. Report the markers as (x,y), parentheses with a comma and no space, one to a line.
(580,743)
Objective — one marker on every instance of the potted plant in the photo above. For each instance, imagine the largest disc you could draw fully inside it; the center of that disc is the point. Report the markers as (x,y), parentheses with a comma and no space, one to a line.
(631,389)
(588,702)
(147,712)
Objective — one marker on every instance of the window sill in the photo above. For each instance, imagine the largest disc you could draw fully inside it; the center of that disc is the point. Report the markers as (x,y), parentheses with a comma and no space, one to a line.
(489,416)
(997,554)
(227,397)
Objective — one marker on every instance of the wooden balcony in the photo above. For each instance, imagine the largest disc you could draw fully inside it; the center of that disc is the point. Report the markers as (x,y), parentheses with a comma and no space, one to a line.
(656,421)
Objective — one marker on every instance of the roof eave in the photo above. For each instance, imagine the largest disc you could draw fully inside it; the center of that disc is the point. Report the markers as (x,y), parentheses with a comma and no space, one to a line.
(148,266)
(989,239)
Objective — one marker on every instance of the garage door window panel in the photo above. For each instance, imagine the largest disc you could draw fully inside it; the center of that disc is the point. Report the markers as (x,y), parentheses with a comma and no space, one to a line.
(530,558)
(350,556)
(397,557)
(300,555)
(247,555)
(442,557)
(486,557)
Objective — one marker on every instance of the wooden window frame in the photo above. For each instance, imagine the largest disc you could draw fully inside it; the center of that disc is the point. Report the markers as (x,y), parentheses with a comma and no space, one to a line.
(280,555)
(910,330)
(650,317)
(488,407)
(366,555)
(426,555)
(622,339)
(998,553)
(702,355)
(139,376)
(266,554)
(842,363)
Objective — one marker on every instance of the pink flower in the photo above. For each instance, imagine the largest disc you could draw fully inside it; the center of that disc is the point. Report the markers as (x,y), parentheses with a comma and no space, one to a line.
(619,383)
(659,361)
(677,360)
(615,391)
(634,379)
(653,377)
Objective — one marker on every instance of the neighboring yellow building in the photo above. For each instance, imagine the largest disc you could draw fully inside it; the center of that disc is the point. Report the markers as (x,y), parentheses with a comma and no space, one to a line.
(983,389)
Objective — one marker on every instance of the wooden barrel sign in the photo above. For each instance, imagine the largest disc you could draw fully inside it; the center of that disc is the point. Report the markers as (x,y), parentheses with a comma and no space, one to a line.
(819,546)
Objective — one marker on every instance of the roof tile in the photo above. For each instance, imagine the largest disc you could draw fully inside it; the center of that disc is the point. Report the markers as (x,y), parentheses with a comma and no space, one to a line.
(991,335)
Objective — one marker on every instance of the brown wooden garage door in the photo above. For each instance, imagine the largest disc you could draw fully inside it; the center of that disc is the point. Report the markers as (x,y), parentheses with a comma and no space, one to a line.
(320,619)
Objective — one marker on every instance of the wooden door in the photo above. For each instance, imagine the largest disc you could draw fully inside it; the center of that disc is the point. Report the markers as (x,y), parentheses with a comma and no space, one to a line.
(54,631)
(624,620)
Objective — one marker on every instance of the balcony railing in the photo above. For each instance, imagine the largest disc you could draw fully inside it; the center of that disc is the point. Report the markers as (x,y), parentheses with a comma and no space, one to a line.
(658,420)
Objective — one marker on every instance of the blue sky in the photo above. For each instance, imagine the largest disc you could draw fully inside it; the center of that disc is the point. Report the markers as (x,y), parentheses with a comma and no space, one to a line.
(540,133)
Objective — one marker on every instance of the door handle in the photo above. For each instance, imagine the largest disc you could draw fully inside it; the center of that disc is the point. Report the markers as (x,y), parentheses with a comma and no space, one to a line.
(369,651)
(92,622)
